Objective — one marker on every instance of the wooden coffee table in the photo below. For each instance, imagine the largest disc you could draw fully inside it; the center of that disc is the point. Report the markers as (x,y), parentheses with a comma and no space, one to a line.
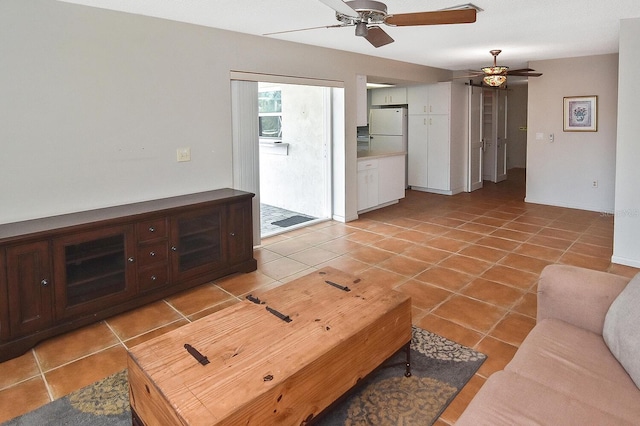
(279,357)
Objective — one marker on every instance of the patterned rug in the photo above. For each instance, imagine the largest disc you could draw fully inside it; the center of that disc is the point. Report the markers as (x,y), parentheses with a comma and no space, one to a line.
(439,370)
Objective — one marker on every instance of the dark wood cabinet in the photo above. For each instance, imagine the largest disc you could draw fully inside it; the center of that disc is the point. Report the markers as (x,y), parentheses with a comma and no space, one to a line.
(29,287)
(93,269)
(64,272)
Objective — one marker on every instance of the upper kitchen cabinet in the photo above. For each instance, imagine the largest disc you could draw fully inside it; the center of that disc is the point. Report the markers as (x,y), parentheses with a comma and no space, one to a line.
(429,98)
(389,96)
(437,139)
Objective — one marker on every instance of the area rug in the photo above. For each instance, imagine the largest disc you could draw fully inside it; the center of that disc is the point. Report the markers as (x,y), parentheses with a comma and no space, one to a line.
(290,221)
(439,370)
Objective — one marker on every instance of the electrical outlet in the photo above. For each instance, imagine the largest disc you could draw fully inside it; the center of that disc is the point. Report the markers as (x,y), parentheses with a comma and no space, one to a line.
(594,184)
(184,154)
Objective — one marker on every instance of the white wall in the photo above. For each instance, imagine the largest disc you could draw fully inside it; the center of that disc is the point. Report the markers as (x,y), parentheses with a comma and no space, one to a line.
(96,102)
(626,238)
(561,173)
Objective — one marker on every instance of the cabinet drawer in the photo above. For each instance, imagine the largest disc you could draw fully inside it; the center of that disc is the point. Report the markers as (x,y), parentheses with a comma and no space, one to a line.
(152,253)
(152,229)
(150,278)
(367,164)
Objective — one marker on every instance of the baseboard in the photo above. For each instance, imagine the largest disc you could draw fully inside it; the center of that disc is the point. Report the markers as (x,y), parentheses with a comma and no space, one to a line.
(624,261)
(600,210)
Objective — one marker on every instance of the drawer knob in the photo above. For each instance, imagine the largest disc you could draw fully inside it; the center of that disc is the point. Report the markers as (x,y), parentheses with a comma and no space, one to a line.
(174,248)
(152,253)
(152,229)
(44,282)
(233,234)
(131,260)
(153,278)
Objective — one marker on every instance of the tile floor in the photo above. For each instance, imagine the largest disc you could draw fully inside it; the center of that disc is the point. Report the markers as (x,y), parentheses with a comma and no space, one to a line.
(469,261)
(270,214)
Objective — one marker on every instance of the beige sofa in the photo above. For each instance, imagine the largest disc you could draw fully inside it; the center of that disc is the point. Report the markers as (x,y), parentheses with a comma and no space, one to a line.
(565,373)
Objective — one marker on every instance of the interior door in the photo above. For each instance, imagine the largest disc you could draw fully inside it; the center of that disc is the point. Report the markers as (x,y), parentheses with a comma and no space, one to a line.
(475,139)
(501,141)
(489,128)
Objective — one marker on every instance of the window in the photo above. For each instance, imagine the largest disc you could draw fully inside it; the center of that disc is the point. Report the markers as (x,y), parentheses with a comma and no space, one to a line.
(270,114)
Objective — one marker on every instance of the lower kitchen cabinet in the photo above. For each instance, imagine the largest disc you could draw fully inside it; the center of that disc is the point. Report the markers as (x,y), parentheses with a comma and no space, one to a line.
(381,181)
(64,272)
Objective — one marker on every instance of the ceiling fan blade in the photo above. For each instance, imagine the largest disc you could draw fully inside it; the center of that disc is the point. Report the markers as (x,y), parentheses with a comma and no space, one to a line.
(378,37)
(524,74)
(306,29)
(459,16)
(521,70)
(340,7)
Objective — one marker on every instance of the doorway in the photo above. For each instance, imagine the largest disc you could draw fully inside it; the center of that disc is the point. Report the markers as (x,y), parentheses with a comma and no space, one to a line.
(282,152)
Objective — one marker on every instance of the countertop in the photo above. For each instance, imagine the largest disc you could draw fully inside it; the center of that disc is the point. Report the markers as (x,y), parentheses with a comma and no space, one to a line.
(377,154)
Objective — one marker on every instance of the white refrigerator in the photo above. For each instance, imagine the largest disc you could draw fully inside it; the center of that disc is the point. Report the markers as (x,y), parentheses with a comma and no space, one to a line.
(388,130)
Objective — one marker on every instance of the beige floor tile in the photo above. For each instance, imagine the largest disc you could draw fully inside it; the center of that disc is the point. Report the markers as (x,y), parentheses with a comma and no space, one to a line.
(404,265)
(468,265)
(281,268)
(450,330)
(498,355)
(67,347)
(424,296)
(446,278)
(84,371)
(492,292)
(22,398)
(17,370)
(142,320)
(201,297)
(513,328)
(510,276)
(393,244)
(462,400)
(313,256)
(470,313)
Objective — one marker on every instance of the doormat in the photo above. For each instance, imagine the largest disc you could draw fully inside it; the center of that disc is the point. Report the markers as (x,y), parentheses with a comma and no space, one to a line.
(290,221)
(439,370)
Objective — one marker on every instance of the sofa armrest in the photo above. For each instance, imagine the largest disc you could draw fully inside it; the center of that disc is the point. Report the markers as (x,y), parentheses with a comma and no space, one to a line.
(578,296)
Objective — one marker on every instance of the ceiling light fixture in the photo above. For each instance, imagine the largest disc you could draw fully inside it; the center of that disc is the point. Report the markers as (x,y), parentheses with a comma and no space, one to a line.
(496,75)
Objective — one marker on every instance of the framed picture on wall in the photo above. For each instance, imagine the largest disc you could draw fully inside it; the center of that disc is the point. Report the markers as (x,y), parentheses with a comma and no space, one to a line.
(581,114)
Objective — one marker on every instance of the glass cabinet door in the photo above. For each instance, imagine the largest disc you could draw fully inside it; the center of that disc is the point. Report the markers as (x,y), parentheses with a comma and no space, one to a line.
(93,268)
(197,243)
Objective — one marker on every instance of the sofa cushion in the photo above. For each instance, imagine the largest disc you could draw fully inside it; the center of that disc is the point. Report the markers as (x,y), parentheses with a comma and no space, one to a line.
(577,363)
(622,328)
(510,399)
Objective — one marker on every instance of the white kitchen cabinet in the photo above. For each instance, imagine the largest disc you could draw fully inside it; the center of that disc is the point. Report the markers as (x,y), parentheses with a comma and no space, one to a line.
(429,98)
(367,184)
(437,142)
(389,96)
(381,181)
(391,178)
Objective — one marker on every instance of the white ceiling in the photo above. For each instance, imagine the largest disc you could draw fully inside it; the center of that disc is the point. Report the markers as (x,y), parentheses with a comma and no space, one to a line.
(525,30)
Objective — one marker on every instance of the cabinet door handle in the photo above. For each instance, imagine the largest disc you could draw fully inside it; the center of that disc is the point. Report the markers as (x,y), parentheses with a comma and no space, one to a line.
(152,253)
(153,278)
(174,248)
(131,259)
(233,234)
(152,229)
(44,282)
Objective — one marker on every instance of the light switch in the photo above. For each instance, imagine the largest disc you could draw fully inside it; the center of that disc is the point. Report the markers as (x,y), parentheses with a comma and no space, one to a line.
(184,154)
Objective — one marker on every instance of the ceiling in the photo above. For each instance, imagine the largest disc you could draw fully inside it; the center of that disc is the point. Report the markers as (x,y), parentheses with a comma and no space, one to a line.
(525,30)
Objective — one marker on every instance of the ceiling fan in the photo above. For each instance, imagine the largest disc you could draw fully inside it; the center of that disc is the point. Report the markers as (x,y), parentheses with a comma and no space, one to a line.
(368,15)
(496,75)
